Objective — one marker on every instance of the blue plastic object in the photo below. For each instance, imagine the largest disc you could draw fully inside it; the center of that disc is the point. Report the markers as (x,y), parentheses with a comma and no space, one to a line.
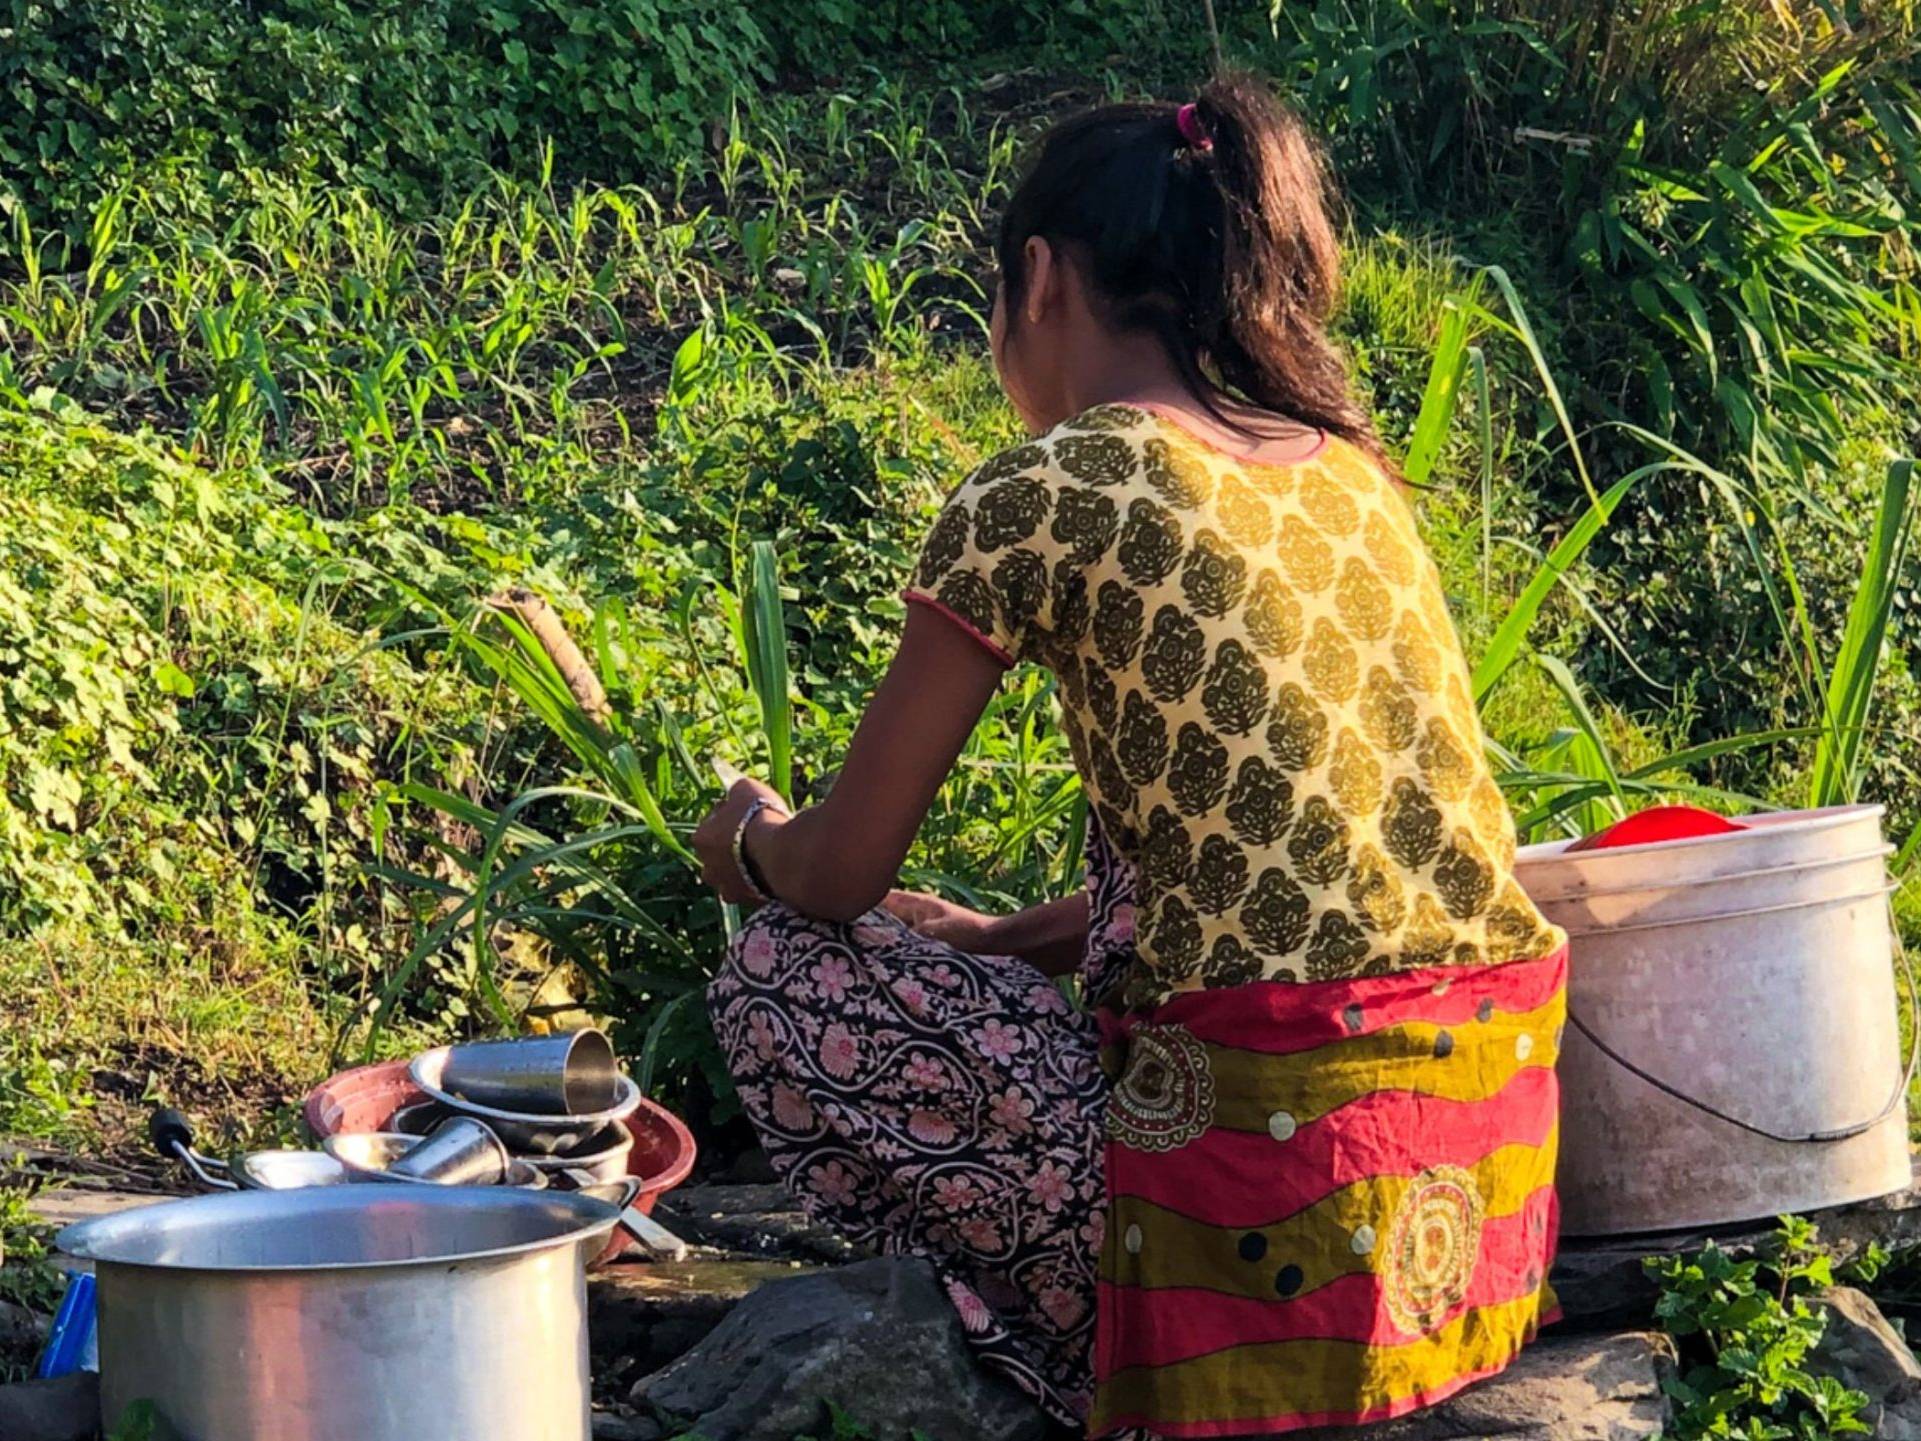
(72,1344)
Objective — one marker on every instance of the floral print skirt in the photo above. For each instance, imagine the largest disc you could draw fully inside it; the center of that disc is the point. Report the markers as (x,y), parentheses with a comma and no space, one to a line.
(944,1105)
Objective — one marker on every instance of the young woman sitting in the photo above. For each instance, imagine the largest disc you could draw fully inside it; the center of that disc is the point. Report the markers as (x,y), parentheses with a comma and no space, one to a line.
(1293,1163)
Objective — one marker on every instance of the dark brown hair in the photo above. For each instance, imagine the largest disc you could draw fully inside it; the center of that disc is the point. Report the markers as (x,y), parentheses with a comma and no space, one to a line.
(1226,250)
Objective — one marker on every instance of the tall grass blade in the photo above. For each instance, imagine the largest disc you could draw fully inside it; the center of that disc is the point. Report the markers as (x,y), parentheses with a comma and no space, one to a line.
(1484,423)
(1506,644)
(1442,395)
(1681,760)
(1074,844)
(1597,747)
(764,639)
(1524,331)
(1850,695)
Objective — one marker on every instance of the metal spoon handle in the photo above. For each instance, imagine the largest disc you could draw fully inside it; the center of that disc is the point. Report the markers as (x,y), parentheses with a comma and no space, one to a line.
(659,1242)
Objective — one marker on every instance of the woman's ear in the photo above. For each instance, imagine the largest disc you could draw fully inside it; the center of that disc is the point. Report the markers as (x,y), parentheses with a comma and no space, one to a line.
(1041,292)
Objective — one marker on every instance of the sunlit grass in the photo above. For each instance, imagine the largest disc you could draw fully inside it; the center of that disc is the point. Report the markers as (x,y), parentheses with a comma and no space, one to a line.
(640,401)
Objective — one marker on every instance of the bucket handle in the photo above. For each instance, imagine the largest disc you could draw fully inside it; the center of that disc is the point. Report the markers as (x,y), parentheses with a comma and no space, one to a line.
(1843,1133)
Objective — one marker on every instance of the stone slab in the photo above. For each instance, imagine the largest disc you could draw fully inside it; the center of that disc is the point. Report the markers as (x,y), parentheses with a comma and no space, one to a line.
(1861,1350)
(752,1220)
(1571,1388)
(1602,1286)
(641,1316)
(65,1409)
(879,1338)
(64,1205)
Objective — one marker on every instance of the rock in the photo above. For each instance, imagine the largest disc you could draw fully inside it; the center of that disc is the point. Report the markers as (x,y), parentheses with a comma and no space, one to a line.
(1860,1349)
(1603,1288)
(1602,1285)
(610,1427)
(878,1339)
(752,1220)
(64,1205)
(64,1409)
(752,1168)
(1893,1220)
(1568,1388)
(21,1331)
(644,1316)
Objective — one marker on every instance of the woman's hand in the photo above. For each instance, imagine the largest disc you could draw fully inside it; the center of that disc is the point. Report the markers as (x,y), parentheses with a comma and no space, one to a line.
(1050,937)
(713,838)
(940,920)
(836,860)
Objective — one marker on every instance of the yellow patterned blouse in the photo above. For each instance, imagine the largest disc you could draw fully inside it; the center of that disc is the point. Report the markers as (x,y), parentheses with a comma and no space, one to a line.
(1264,694)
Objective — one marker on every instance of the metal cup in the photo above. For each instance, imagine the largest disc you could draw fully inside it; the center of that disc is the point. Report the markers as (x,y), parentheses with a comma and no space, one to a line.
(567,1075)
(460,1151)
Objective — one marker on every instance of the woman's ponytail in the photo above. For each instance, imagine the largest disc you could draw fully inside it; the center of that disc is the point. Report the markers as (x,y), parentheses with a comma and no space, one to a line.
(1280,262)
(1212,226)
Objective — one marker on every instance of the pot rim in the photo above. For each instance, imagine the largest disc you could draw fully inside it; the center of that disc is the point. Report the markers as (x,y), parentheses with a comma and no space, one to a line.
(1576,894)
(105,1240)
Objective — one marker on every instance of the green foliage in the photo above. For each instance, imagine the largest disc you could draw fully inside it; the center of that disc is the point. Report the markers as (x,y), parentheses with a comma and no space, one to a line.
(847,1428)
(101,93)
(362,316)
(1838,767)
(91,531)
(1722,193)
(167,631)
(1746,1331)
(29,1279)
(141,1421)
(203,100)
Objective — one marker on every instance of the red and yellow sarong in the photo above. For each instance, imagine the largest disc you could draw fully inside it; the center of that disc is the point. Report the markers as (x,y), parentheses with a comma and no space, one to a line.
(1329,1203)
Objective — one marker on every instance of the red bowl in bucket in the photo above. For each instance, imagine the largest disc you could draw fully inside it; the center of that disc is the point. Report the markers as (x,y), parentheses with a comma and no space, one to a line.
(366,1097)
(1657,824)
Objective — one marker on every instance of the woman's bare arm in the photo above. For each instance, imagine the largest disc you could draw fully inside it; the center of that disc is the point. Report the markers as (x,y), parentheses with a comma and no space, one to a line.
(1051,936)
(838,859)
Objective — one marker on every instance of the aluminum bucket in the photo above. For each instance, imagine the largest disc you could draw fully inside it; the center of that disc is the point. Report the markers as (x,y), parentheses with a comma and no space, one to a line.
(1733,1047)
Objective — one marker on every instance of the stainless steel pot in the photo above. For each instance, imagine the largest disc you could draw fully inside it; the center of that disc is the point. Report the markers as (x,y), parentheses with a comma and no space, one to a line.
(352,1313)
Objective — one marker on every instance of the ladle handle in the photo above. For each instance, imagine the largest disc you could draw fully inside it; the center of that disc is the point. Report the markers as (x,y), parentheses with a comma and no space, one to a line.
(170,1132)
(172,1136)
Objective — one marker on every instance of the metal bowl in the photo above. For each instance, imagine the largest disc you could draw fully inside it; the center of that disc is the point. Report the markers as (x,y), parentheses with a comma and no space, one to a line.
(604,1156)
(523,1132)
(418,1119)
(367,1156)
(287,1170)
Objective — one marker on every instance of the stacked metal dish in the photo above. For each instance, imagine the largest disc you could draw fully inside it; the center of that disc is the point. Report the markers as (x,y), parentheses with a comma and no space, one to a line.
(542,1096)
(522,1113)
(553,1102)
(602,1154)
(372,1155)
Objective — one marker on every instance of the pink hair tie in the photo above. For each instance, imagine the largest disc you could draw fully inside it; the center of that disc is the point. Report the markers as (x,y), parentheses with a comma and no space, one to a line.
(1188,121)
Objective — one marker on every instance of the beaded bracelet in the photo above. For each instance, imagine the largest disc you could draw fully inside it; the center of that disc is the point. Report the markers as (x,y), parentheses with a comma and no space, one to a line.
(741,863)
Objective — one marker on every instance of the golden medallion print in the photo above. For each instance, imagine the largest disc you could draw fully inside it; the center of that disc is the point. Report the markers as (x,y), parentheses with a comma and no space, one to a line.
(1432,1245)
